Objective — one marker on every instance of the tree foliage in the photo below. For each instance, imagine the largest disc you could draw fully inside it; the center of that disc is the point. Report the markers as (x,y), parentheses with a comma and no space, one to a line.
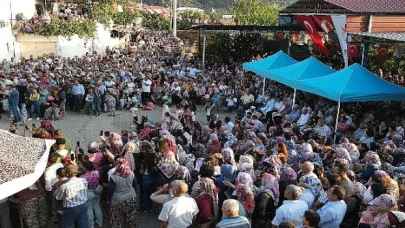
(60,27)
(155,22)
(255,12)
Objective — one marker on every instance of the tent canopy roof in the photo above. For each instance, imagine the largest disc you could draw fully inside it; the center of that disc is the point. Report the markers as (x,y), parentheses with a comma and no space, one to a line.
(279,59)
(289,75)
(353,84)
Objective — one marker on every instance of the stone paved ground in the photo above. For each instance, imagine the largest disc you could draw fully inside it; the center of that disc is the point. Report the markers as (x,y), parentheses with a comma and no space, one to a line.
(83,128)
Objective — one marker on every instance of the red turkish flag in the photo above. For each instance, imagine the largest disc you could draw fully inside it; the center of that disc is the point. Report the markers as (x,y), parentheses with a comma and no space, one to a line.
(352,50)
(280,36)
(326,23)
(309,26)
(383,52)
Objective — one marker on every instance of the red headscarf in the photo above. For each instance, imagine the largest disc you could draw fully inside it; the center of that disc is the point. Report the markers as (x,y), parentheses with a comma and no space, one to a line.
(122,168)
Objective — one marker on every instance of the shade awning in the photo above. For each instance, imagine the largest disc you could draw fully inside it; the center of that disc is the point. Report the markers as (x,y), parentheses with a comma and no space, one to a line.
(309,68)
(353,84)
(279,59)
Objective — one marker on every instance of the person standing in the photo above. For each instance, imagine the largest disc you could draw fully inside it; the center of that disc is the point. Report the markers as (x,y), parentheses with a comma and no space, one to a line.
(78,93)
(73,193)
(146,84)
(181,211)
(96,107)
(35,106)
(230,210)
(13,99)
(333,212)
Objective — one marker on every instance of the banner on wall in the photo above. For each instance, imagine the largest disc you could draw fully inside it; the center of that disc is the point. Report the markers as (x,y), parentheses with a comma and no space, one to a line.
(339,23)
(308,24)
(326,23)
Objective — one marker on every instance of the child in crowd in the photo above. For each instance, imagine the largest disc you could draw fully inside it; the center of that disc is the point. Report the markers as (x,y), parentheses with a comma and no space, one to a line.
(111,103)
(13,129)
(23,114)
(134,114)
(57,205)
(208,108)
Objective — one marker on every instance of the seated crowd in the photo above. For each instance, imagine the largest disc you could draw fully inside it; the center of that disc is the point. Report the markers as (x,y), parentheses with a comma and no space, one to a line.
(272,164)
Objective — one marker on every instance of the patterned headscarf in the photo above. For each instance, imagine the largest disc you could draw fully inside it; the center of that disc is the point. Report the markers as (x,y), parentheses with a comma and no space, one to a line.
(209,188)
(385,202)
(246,197)
(312,183)
(372,158)
(342,153)
(270,185)
(244,178)
(359,188)
(306,147)
(229,156)
(287,174)
(115,142)
(122,168)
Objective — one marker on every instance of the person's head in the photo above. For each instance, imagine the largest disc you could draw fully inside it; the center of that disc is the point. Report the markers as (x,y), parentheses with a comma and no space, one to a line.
(179,189)
(230,208)
(341,169)
(336,193)
(378,189)
(286,225)
(13,126)
(88,166)
(333,179)
(58,134)
(311,219)
(321,122)
(71,170)
(207,170)
(227,119)
(307,167)
(61,173)
(61,143)
(52,159)
(23,105)
(292,192)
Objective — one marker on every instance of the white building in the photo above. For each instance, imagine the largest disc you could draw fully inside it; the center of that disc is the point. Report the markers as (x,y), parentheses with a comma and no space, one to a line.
(23,45)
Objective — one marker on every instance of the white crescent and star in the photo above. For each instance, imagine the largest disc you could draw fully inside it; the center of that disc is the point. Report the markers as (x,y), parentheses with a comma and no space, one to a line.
(308,26)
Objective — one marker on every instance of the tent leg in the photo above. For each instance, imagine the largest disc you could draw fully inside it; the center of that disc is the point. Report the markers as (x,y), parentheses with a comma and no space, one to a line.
(295,94)
(264,85)
(204,47)
(337,121)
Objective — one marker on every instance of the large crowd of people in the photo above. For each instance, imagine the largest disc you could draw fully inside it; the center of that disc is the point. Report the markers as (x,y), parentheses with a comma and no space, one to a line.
(268,163)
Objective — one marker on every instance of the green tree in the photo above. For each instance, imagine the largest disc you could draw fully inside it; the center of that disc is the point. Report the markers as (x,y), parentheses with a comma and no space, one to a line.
(215,16)
(155,21)
(255,12)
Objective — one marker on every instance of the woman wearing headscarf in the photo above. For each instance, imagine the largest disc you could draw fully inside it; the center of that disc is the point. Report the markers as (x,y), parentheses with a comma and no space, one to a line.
(381,177)
(246,163)
(207,202)
(213,144)
(95,155)
(373,164)
(246,199)
(115,143)
(311,183)
(353,151)
(266,201)
(122,196)
(378,216)
(287,176)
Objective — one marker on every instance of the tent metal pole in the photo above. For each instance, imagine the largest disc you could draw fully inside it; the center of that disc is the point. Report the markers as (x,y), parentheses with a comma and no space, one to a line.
(204,47)
(264,84)
(337,121)
(295,94)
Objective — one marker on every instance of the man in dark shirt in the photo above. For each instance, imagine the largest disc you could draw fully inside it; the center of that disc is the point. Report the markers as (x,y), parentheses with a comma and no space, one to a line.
(13,101)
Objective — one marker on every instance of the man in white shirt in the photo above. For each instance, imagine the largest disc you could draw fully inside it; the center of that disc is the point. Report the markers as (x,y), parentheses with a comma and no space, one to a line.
(304,118)
(146,84)
(228,124)
(322,130)
(181,211)
(292,209)
(50,176)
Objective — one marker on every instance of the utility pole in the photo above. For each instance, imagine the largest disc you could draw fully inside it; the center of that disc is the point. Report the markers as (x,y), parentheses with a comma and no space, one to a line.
(175,18)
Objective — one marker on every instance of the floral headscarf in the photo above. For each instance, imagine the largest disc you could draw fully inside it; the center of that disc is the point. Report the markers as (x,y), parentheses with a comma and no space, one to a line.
(385,202)
(372,158)
(198,164)
(231,139)
(115,142)
(359,188)
(189,162)
(229,156)
(342,153)
(270,185)
(122,168)
(312,182)
(244,178)
(352,149)
(287,174)
(246,197)
(210,189)
(182,173)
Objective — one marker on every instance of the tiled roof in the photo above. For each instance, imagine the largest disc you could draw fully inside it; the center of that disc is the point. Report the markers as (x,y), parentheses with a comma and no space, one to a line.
(395,36)
(371,6)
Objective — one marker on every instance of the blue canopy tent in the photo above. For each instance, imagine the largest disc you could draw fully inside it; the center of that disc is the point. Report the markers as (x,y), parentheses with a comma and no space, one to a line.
(277,60)
(352,84)
(289,75)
